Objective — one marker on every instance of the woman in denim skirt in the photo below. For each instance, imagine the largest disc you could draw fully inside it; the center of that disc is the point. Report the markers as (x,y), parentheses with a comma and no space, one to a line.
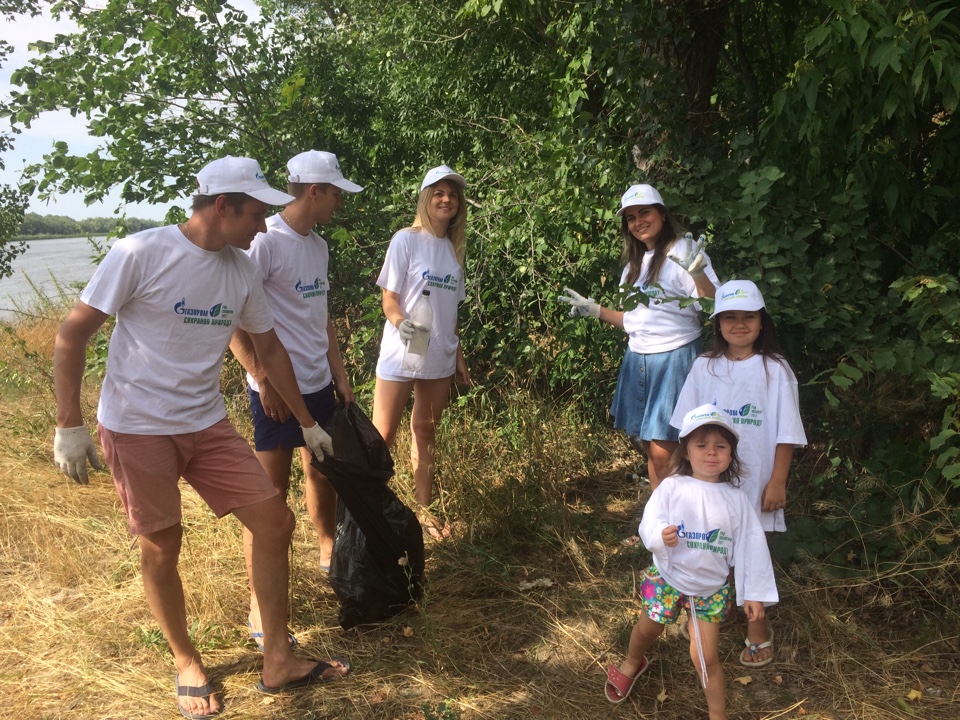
(664,337)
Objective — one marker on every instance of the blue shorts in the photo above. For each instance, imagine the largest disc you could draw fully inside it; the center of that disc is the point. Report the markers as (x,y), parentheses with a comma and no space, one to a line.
(268,434)
(647,392)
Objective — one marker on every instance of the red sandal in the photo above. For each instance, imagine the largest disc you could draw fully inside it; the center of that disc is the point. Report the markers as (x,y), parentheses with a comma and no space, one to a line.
(618,685)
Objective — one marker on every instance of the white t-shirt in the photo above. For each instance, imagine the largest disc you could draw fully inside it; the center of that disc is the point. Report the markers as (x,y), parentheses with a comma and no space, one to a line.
(718,529)
(176,306)
(763,402)
(294,269)
(664,326)
(417,261)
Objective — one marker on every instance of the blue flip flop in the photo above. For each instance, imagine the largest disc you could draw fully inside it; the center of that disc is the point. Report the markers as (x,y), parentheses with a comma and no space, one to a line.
(189,691)
(258,637)
(314,676)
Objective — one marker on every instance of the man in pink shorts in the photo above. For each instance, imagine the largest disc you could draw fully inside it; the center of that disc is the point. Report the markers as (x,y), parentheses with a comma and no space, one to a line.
(178,293)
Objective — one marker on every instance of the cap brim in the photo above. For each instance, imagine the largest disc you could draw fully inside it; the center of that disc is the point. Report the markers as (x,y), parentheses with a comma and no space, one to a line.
(716,423)
(622,210)
(458,179)
(347,186)
(750,308)
(270,196)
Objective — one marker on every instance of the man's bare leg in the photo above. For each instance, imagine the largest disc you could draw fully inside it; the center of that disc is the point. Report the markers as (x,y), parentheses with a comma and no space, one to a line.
(271,524)
(159,555)
(322,506)
(277,464)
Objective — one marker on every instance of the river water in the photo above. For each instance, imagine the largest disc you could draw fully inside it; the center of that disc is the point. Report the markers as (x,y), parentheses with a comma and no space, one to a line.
(47,269)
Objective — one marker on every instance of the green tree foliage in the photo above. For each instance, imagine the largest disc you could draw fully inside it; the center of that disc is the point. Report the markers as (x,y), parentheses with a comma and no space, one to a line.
(13,201)
(815,143)
(12,204)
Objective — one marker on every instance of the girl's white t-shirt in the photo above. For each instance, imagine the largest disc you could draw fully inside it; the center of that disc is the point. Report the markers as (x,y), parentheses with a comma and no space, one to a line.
(664,326)
(294,269)
(418,261)
(718,529)
(177,307)
(762,400)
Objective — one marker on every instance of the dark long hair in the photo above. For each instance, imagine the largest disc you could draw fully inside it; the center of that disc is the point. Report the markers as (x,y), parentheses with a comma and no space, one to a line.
(634,249)
(680,465)
(767,344)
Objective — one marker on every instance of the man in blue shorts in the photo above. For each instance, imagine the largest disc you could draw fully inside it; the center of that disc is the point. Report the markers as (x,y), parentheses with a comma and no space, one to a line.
(178,293)
(294,260)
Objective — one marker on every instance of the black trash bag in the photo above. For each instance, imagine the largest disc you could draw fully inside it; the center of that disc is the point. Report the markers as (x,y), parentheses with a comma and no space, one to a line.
(377,565)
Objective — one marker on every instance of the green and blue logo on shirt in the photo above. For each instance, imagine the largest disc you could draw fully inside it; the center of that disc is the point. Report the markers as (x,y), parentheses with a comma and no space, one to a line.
(445,282)
(715,540)
(219,314)
(309,290)
(748,414)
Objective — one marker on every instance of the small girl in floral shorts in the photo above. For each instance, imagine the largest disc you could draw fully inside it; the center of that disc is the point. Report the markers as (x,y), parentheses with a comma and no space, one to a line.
(698,524)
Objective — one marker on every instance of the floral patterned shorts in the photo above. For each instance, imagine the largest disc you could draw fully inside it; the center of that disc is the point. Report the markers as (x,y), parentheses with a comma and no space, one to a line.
(663,602)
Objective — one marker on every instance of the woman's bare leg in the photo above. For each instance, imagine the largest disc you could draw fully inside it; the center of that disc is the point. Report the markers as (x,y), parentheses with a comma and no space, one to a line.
(389,400)
(430,397)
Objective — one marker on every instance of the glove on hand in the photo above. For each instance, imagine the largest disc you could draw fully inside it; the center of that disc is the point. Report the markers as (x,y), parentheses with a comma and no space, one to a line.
(406,329)
(317,440)
(580,305)
(72,447)
(692,259)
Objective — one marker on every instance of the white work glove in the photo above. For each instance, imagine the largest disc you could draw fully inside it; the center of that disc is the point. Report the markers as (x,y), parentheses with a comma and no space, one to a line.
(72,447)
(579,305)
(692,259)
(406,328)
(318,442)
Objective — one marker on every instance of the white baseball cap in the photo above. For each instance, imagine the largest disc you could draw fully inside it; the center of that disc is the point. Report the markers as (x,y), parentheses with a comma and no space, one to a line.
(238,175)
(706,415)
(442,172)
(316,166)
(639,195)
(737,295)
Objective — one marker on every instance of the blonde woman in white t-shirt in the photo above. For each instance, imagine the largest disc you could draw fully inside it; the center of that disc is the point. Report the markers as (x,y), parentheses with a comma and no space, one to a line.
(429,255)
(664,338)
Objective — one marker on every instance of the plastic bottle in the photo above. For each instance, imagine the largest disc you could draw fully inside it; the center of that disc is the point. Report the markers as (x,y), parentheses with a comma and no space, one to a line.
(421,315)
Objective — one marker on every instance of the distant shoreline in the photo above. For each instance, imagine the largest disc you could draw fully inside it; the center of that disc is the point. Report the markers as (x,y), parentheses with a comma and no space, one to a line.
(34,238)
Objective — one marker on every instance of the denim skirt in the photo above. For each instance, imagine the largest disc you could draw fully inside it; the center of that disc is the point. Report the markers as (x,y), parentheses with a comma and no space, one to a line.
(647,392)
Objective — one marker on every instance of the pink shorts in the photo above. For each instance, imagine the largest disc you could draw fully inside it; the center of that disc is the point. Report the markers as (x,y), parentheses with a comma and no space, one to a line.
(216,462)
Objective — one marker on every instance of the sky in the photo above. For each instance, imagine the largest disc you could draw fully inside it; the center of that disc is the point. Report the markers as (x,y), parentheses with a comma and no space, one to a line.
(31,145)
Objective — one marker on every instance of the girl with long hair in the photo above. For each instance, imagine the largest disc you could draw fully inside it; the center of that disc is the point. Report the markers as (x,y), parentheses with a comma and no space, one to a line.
(428,255)
(664,336)
(749,379)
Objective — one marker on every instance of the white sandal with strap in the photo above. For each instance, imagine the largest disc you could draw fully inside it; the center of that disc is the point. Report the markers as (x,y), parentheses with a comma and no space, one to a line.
(753,648)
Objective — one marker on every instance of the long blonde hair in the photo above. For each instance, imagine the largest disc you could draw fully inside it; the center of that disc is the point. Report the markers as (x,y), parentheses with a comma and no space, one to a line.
(456,230)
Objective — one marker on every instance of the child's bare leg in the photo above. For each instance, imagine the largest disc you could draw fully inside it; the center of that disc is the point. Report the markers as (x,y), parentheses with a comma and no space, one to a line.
(658,459)
(758,631)
(644,633)
(715,690)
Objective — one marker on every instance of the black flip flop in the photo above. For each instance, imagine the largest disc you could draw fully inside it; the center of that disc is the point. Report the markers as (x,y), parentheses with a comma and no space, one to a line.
(314,676)
(203,691)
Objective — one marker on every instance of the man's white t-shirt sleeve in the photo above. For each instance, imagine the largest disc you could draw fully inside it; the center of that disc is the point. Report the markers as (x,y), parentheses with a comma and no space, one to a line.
(115,281)
(256,316)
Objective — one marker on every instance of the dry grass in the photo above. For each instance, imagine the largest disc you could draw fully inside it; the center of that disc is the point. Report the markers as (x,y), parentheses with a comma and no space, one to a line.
(532,495)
